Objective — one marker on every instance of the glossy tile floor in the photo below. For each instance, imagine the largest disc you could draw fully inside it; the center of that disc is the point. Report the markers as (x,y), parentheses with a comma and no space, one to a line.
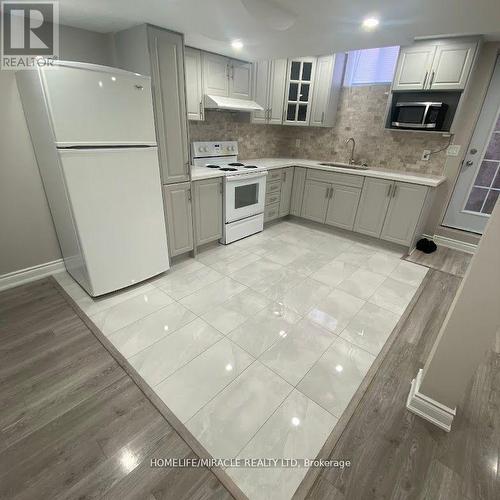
(258,347)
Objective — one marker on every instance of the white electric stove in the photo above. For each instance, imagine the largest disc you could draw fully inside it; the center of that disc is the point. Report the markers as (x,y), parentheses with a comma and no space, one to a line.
(244,187)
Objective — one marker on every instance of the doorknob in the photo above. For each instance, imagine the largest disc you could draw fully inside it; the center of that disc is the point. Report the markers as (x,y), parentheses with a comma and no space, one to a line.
(473,151)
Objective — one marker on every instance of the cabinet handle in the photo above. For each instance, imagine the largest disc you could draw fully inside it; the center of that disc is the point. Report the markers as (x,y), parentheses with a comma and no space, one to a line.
(284,176)
(270,113)
(232,72)
(394,191)
(331,192)
(327,192)
(389,190)
(220,188)
(432,79)
(322,116)
(425,78)
(189,194)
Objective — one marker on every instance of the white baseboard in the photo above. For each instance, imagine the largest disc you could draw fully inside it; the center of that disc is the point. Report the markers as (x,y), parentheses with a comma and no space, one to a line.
(22,276)
(428,408)
(451,243)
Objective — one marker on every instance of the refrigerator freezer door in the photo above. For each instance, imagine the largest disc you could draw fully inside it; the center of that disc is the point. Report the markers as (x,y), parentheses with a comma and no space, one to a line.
(95,107)
(116,201)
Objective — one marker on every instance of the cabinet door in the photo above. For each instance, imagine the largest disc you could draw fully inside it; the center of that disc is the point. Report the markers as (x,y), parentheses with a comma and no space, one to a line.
(372,206)
(194,84)
(414,66)
(315,200)
(179,218)
(322,85)
(215,74)
(299,180)
(277,85)
(240,82)
(342,206)
(286,191)
(404,211)
(261,86)
(299,90)
(208,210)
(167,60)
(451,65)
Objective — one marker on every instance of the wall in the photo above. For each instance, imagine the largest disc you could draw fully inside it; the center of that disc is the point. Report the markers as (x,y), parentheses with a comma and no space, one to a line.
(361,115)
(27,233)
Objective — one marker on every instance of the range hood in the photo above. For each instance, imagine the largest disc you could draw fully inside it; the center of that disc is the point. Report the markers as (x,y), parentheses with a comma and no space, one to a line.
(230,103)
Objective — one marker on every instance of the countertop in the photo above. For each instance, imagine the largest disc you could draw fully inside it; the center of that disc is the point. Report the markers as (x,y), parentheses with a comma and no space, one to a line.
(198,173)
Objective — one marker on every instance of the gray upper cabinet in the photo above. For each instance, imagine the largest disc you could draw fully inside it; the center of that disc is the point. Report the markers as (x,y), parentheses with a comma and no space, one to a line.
(179,218)
(269,90)
(194,84)
(439,65)
(299,90)
(226,77)
(405,207)
(286,190)
(327,86)
(208,210)
(342,206)
(315,201)
(160,54)
(373,204)
(167,64)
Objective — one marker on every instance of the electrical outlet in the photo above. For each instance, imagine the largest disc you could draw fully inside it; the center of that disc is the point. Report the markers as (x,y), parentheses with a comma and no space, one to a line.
(426,155)
(453,150)
(297,143)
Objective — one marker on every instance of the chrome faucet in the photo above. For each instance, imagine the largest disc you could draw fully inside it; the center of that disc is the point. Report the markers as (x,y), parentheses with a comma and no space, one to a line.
(347,141)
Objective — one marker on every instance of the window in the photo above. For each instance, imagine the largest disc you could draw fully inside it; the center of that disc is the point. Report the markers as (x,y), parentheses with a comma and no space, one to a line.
(371,66)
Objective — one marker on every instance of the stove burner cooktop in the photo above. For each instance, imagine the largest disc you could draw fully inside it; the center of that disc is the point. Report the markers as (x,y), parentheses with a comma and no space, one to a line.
(212,166)
(235,164)
(250,166)
(227,169)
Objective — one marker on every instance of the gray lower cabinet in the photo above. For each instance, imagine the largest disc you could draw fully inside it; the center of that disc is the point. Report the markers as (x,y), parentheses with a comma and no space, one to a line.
(286,190)
(373,205)
(299,180)
(342,206)
(315,201)
(405,207)
(208,210)
(178,211)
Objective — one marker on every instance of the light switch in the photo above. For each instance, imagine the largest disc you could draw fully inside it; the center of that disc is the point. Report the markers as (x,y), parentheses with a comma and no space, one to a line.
(453,150)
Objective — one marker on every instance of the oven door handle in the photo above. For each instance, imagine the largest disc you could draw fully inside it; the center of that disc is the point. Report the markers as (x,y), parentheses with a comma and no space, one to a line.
(234,178)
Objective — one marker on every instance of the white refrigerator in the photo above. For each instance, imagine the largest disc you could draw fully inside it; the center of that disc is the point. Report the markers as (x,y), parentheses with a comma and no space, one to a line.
(93,132)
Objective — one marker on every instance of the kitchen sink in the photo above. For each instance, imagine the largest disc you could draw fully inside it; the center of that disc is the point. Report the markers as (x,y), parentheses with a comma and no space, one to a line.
(344,165)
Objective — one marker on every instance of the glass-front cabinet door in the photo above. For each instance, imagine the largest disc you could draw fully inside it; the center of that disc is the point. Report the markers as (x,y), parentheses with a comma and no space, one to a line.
(299,90)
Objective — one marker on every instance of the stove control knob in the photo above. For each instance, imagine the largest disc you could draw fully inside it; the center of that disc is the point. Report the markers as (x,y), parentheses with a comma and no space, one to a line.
(205,149)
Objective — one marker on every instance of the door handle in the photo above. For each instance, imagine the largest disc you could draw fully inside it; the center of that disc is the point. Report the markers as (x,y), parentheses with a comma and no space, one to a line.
(389,190)
(270,113)
(331,193)
(189,194)
(322,116)
(394,190)
(425,78)
(327,192)
(432,79)
(284,176)
(201,110)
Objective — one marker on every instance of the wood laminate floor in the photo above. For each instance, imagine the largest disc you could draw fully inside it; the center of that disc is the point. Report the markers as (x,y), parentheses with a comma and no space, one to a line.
(73,424)
(443,259)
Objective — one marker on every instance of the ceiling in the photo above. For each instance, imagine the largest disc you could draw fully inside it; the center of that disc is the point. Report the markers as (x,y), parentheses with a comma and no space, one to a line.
(272,28)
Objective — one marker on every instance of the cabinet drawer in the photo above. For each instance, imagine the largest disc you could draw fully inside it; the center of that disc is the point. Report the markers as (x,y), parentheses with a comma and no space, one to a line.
(335,177)
(273,187)
(271,212)
(272,198)
(274,175)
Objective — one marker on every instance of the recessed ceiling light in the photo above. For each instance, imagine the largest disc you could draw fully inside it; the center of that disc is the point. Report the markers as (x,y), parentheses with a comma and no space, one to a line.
(237,44)
(370,23)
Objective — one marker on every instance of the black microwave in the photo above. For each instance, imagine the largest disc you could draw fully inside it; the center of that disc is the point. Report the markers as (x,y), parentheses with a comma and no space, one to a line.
(419,115)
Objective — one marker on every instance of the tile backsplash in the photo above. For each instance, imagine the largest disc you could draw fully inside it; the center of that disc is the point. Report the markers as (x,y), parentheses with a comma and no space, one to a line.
(361,115)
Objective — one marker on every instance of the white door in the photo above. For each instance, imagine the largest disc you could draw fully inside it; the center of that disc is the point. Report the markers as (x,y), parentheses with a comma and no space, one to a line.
(194,84)
(478,184)
(92,106)
(414,65)
(240,81)
(322,85)
(116,203)
(277,85)
(372,208)
(343,205)
(261,79)
(451,65)
(315,201)
(404,212)
(215,74)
